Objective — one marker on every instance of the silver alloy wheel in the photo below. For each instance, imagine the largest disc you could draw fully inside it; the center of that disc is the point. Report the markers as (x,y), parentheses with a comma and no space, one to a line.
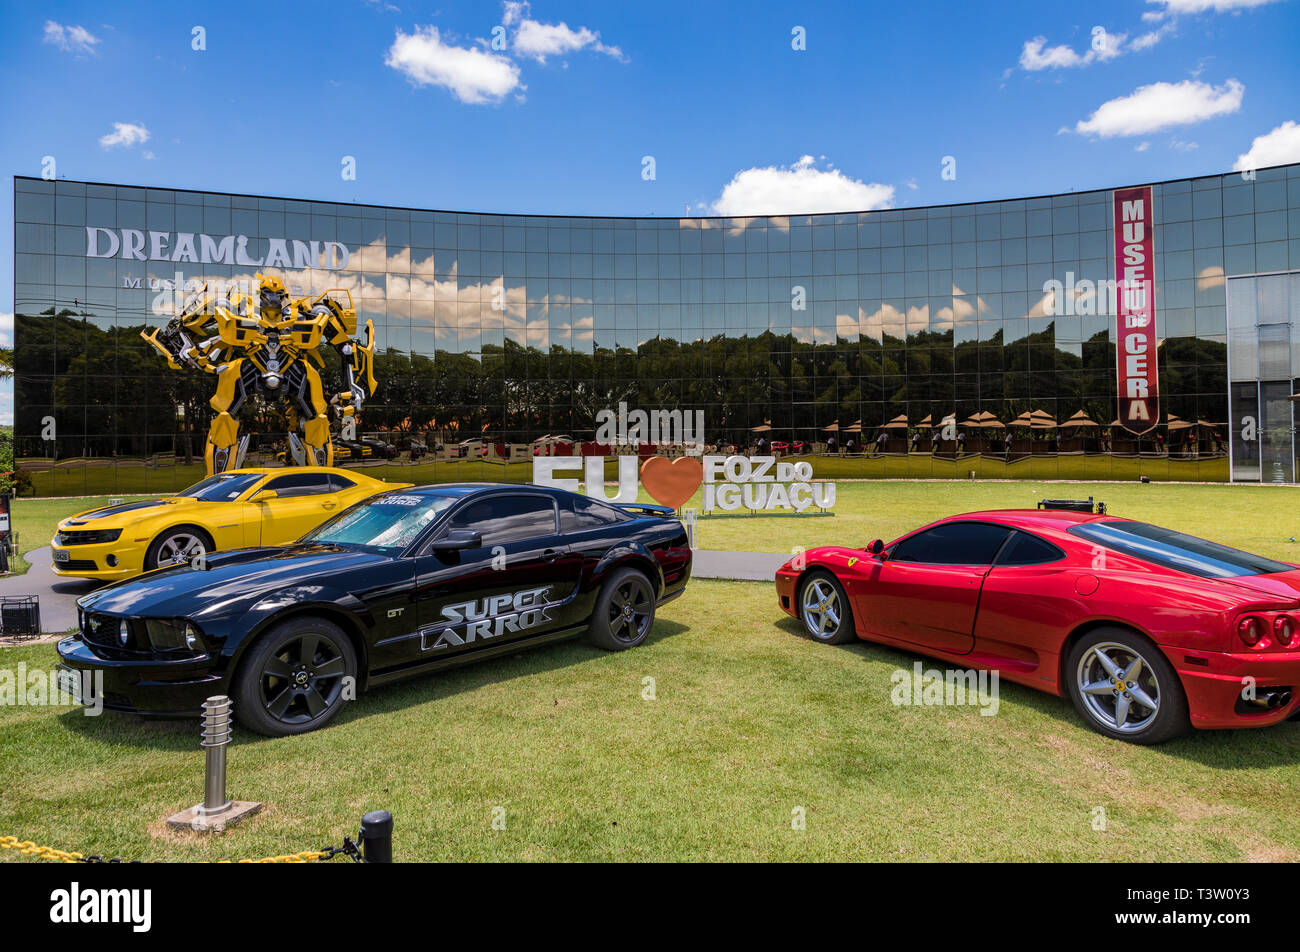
(821,608)
(179,549)
(1118,687)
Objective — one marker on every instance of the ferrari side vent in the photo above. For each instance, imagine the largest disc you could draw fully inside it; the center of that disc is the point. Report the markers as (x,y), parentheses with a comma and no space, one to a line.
(1073,505)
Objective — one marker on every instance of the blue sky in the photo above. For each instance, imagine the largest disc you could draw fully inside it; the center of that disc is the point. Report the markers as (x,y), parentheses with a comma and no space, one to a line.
(553,107)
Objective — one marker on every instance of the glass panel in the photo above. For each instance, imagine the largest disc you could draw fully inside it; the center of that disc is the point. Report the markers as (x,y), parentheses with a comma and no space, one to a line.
(1245,431)
(1243,339)
(1277,463)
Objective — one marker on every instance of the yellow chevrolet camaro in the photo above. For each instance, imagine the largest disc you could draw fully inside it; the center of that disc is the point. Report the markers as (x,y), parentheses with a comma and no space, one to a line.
(232,510)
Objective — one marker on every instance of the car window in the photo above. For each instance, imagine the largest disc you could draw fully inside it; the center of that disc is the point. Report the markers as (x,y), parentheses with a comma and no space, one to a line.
(300,484)
(507,518)
(221,488)
(1026,549)
(338,482)
(1176,550)
(579,512)
(953,543)
(382,523)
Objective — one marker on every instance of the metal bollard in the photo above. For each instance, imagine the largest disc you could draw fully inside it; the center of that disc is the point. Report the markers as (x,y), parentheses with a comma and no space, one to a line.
(216,735)
(377,837)
(216,812)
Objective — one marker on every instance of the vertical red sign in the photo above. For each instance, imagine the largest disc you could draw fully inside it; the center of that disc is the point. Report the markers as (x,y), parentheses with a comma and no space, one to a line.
(1135,313)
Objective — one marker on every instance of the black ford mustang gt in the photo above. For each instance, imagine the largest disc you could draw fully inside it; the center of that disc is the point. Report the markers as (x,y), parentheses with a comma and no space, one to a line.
(406,582)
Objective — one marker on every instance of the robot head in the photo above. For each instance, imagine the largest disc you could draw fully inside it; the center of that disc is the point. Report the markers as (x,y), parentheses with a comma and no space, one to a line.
(274,295)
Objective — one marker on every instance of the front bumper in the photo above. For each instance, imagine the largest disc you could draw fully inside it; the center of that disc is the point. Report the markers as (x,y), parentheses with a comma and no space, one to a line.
(785,590)
(92,561)
(147,684)
(1214,682)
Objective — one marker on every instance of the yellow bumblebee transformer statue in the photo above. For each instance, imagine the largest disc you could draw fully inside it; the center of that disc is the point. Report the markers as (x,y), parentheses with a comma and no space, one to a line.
(267,347)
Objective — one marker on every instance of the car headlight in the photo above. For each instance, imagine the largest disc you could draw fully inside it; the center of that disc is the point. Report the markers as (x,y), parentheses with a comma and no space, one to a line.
(174,634)
(87,536)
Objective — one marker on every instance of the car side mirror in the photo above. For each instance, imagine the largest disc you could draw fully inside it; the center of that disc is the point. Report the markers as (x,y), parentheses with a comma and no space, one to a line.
(262,495)
(877,548)
(458,539)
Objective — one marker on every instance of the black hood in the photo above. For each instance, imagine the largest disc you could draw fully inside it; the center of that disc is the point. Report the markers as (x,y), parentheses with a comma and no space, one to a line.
(231,580)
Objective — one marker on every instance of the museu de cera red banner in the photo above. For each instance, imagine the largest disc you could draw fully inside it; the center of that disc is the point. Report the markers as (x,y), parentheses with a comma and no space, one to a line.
(1135,313)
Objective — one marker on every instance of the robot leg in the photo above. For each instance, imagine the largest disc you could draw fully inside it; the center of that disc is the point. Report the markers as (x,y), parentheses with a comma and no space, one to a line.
(226,448)
(315,424)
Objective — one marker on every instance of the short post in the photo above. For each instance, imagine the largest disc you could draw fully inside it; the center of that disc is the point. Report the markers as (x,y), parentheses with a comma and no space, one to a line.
(689,518)
(377,837)
(216,812)
(216,735)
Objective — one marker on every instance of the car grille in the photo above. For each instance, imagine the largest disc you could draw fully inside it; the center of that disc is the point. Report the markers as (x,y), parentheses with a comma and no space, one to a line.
(77,565)
(100,630)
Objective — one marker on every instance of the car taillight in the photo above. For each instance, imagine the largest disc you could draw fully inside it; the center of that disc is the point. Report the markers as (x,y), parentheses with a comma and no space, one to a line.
(1250,629)
(1284,627)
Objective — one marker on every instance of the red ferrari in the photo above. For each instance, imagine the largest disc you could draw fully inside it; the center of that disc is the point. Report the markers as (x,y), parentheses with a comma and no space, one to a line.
(1149,631)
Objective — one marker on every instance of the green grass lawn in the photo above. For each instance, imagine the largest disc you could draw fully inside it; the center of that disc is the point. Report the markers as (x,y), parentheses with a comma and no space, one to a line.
(1263,519)
(35,520)
(750,722)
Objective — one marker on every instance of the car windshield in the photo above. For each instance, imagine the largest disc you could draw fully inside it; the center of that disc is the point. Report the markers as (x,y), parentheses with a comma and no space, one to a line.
(1176,550)
(221,488)
(382,523)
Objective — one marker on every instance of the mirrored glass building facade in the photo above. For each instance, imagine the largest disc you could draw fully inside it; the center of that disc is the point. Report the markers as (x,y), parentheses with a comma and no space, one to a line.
(926,342)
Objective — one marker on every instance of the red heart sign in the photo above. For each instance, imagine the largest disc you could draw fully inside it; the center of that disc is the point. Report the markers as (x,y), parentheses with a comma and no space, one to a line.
(672,481)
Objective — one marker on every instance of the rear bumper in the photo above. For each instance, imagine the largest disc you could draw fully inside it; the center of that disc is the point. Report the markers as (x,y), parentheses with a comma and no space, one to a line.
(1214,683)
(147,685)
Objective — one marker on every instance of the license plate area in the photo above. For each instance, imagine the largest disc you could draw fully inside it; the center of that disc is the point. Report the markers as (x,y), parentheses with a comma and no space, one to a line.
(69,682)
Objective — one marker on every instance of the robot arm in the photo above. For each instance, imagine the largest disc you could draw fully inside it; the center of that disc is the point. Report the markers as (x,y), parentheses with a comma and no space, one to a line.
(338,324)
(185,340)
(359,368)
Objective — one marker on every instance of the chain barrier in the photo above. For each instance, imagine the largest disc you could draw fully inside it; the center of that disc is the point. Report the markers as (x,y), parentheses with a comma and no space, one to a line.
(28,848)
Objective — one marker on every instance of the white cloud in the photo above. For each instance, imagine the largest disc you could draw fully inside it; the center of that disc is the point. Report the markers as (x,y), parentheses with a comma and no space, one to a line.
(1278,147)
(1105,45)
(70,39)
(1147,40)
(1142,146)
(125,134)
(7,330)
(1161,106)
(540,40)
(1176,7)
(800,189)
(473,76)
(1036,55)
(1033,57)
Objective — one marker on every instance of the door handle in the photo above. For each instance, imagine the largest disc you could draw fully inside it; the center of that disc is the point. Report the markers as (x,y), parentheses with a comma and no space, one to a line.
(550,555)
(328,505)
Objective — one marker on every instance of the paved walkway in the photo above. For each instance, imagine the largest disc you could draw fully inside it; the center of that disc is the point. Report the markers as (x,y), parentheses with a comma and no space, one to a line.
(58,596)
(742,566)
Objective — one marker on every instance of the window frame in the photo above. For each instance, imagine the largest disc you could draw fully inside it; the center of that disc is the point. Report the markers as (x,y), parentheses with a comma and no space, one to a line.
(998,564)
(1009,530)
(571,506)
(326,479)
(451,515)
